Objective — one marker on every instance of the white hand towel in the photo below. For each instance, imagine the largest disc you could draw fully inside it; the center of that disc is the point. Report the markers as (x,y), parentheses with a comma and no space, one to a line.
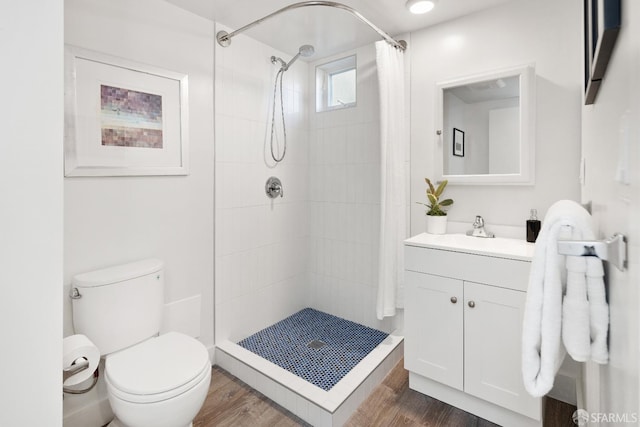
(599,311)
(585,321)
(575,308)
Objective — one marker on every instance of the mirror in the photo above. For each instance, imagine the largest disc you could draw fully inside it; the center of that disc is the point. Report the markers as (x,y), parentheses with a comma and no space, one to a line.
(485,128)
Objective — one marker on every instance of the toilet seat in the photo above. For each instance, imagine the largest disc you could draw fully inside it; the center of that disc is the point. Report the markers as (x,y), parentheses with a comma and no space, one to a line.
(157,369)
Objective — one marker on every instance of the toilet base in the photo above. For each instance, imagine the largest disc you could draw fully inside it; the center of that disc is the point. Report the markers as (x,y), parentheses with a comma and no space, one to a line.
(171,412)
(116,423)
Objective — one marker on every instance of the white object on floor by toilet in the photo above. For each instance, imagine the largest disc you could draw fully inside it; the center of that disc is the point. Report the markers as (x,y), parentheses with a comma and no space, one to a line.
(159,381)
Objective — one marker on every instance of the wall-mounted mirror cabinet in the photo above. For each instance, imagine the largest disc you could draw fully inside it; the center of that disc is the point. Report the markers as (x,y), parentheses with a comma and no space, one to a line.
(485,128)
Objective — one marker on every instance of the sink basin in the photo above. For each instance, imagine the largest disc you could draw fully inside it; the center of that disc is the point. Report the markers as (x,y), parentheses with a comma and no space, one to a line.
(498,247)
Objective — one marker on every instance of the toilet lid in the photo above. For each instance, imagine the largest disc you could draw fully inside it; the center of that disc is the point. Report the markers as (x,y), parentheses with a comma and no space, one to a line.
(157,365)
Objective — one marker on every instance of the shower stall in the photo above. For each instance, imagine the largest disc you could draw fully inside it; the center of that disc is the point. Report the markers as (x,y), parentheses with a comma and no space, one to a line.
(316,247)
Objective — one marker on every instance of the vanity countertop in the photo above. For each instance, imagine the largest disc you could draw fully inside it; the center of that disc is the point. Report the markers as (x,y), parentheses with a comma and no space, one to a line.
(497,247)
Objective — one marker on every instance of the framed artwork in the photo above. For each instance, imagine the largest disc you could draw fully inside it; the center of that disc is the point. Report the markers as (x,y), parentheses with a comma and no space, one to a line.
(123,118)
(458,142)
(602,20)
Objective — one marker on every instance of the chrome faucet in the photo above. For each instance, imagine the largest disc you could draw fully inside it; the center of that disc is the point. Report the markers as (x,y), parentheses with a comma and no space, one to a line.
(478,229)
(273,188)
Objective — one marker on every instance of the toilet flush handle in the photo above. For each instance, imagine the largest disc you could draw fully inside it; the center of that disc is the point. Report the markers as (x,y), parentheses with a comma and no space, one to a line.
(74,293)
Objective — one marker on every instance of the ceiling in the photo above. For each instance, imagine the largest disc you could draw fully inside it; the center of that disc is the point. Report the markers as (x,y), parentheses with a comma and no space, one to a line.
(488,90)
(329,29)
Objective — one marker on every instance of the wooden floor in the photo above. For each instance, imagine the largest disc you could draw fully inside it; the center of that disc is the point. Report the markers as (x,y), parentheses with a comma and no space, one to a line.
(232,403)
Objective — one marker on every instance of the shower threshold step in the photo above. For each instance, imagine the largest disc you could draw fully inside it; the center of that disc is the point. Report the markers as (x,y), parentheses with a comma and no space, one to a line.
(311,403)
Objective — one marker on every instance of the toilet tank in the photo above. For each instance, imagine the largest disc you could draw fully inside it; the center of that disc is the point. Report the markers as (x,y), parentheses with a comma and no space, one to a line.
(119,306)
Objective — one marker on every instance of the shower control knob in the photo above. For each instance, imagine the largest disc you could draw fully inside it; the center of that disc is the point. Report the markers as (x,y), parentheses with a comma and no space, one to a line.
(273,188)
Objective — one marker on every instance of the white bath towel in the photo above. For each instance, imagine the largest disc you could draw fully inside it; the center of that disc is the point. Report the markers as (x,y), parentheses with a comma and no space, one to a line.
(582,319)
(542,352)
(598,310)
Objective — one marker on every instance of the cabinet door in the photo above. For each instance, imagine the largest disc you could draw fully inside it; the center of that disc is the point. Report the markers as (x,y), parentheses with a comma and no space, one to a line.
(433,327)
(493,347)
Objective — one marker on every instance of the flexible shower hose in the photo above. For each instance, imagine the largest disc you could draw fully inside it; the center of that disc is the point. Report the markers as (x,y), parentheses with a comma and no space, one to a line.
(279,75)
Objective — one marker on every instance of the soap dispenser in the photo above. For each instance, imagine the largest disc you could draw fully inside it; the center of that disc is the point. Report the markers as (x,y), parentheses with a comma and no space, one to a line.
(533,226)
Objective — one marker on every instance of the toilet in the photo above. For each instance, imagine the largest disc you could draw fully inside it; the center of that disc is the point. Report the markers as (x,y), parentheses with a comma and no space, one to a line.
(152,380)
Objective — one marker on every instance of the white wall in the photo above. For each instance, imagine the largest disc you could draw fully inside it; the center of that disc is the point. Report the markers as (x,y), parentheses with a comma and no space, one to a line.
(344,199)
(546,32)
(113,220)
(611,136)
(261,244)
(503,131)
(31,42)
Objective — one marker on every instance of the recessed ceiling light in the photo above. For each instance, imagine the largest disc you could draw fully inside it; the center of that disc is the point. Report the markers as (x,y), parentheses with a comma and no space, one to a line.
(420,6)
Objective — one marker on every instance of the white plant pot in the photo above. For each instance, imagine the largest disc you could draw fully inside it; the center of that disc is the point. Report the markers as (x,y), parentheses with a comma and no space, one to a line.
(436,224)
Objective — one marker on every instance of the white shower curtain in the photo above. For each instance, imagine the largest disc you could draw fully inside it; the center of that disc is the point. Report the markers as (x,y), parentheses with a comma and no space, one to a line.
(393,135)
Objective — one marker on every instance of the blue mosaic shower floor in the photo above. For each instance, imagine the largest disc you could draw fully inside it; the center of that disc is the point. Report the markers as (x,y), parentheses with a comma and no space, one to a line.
(286,344)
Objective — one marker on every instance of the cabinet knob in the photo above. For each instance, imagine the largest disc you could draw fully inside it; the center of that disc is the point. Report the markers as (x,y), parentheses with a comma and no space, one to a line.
(454,300)
(472,304)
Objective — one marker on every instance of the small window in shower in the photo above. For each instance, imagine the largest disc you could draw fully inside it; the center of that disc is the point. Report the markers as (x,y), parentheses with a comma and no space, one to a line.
(336,84)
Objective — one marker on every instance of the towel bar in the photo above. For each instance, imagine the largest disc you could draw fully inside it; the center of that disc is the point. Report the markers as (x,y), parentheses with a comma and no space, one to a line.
(613,249)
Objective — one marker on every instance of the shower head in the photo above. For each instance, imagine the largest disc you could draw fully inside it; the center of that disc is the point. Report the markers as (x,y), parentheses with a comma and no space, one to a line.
(305,50)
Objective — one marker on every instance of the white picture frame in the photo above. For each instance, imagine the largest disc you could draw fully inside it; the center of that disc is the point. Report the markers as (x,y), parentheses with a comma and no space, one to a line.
(525,174)
(123,118)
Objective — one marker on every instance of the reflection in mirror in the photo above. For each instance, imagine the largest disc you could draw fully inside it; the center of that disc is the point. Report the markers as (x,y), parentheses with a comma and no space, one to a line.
(485,116)
(486,127)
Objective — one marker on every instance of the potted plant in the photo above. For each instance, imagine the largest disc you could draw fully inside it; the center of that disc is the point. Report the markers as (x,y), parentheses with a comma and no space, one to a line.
(436,215)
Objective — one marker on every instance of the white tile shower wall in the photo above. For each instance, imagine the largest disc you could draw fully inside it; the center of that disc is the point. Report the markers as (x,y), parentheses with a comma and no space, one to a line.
(344,200)
(261,244)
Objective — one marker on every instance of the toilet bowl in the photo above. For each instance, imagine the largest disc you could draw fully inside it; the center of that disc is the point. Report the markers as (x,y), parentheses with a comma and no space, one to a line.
(152,380)
(161,382)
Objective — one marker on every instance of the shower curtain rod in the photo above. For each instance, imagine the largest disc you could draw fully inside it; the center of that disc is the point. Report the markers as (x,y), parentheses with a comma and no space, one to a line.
(224,38)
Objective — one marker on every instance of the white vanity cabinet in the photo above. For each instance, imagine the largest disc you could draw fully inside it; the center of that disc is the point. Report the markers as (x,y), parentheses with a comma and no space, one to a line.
(464,305)
(434,314)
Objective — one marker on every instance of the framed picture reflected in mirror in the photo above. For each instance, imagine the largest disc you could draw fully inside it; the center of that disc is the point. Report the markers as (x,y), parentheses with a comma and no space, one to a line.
(458,142)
